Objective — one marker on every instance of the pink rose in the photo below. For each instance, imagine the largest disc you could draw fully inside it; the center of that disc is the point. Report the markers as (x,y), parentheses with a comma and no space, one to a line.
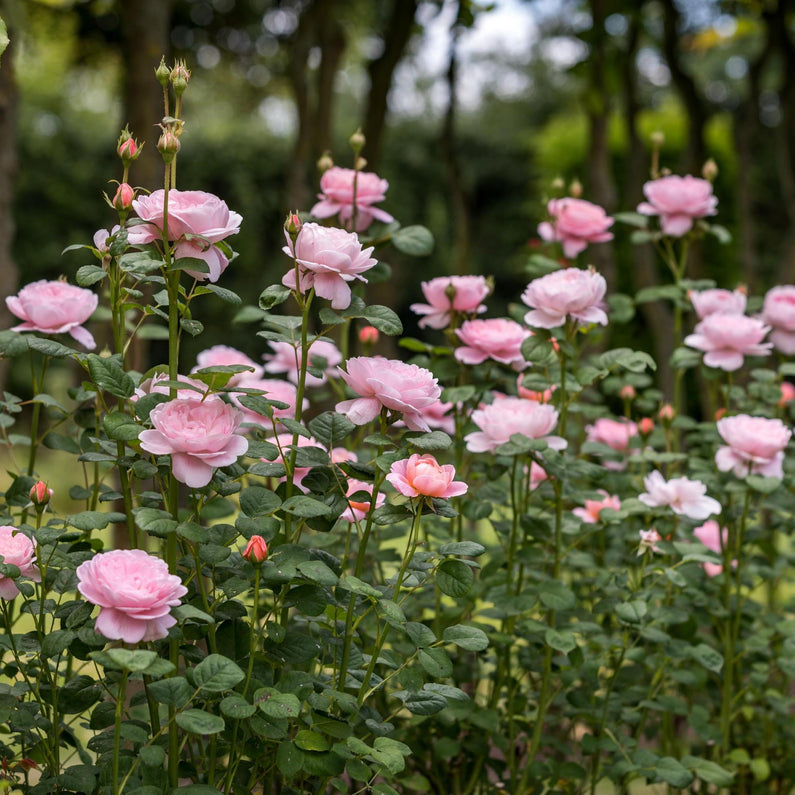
(718,302)
(357,510)
(283,441)
(134,591)
(390,384)
(423,476)
(199,436)
(787,394)
(337,186)
(569,292)
(18,550)
(339,455)
(436,416)
(593,508)
(648,541)
(211,255)
(714,538)
(537,475)
(503,418)
(755,446)
(614,433)
(683,496)
(327,260)
(286,358)
(448,294)
(273,389)
(224,356)
(194,389)
(678,201)
(54,308)
(726,339)
(498,338)
(779,312)
(575,223)
(101,239)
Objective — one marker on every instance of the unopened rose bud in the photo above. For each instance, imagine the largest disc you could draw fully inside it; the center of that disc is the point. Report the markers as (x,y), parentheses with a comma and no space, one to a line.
(179,77)
(325,162)
(40,495)
(127,147)
(360,164)
(168,145)
(666,413)
(357,141)
(256,550)
(720,414)
(787,393)
(575,189)
(123,199)
(709,170)
(657,138)
(558,184)
(162,73)
(646,426)
(628,392)
(292,225)
(368,335)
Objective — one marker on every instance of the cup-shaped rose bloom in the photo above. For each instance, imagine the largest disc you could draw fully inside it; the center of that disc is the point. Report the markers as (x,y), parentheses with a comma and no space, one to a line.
(718,302)
(327,260)
(358,509)
(613,433)
(590,513)
(337,197)
(497,338)
(224,356)
(727,339)
(18,550)
(198,435)
(683,496)
(778,311)
(54,308)
(390,384)
(575,223)
(754,446)
(448,294)
(273,389)
(286,358)
(134,591)
(424,476)
(678,201)
(570,292)
(157,385)
(510,415)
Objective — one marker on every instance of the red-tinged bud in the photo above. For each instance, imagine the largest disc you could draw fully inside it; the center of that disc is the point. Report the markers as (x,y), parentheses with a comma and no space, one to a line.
(325,162)
(646,426)
(179,77)
(666,413)
(256,550)
(720,414)
(628,392)
(123,199)
(40,495)
(787,394)
(168,145)
(293,225)
(368,335)
(128,150)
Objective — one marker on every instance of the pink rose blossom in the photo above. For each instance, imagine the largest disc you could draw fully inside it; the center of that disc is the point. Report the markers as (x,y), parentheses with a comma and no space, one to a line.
(134,591)
(357,510)
(497,338)
(327,260)
(339,455)
(156,385)
(283,441)
(18,550)
(224,356)
(286,358)
(451,294)
(590,514)
(436,416)
(570,292)
(678,201)
(390,384)
(423,476)
(273,389)
(199,436)
(726,339)
(779,312)
(714,538)
(613,433)
(212,256)
(54,308)
(755,446)
(683,496)
(718,302)
(537,475)
(575,223)
(503,418)
(101,239)
(336,198)
(648,541)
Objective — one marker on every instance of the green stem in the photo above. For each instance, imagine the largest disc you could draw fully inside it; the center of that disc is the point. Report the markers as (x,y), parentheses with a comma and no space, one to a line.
(117,732)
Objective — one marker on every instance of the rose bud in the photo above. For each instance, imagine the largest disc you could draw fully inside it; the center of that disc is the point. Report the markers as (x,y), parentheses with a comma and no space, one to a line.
(292,225)
(128,148)
(787,394)
(123,199)
(162,73)
(628,392)
(645,426)
(180,76)
(666,413)
(256,550)
(368,335)
(40,495)
(168,145)
(325,162)
(720,414)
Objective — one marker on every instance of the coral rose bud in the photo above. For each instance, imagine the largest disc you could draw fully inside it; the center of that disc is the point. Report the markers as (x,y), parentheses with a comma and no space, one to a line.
(168,145)
(256,550)
(557,184)
(40,495)
(628,392)
(666,413)
(645,426)
(123,199)
(368,335)
(787,394)
(292,225)
(179,77)
(720,414)
(128,148)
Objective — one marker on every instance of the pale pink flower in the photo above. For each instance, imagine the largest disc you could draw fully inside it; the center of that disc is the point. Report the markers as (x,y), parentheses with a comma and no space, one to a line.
(570,292)
(272,389)
(156,385)
(199,436)
(212,256)
(683,496)
(339,455)
(327,260)
(447,295)
(678,201)
(357,510)
(286,358)
(54,308)
(503,418)
(336,198)
(616,434)
(593,508)
(755,446)
(779,312)
(18,550)
(537,475)
(648,541)
(437,416)
(575,223)
(101,239)
(726,339)
(718,302)
(424,476)
(135,593)
(224,356)
(714,538)
(283,442)
(497,338)
(390,384)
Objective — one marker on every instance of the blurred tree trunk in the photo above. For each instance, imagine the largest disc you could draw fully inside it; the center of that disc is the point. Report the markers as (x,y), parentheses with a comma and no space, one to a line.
(381,69)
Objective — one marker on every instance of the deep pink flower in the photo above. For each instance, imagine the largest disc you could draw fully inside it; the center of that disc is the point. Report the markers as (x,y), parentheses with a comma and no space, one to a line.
(755,446)
(503,418)
(575,223)
(614,433)
(357,510)
(779,312)
(256,550)
(423,476)
(286,358)
(593,508)
(54,308)
(569,292)
(718,302)
(726,339)
(336,198)
(18,550)
(134,591)
(678,201)
(224,356)
(497,338)
(683,496)
(448,294)
(199,436)
(273,389)
(327,260)
(391,384)
(194,389)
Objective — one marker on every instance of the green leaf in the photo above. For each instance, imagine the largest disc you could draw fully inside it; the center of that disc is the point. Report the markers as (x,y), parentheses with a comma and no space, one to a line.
(305,507)
(273,296)
(318,572)
(289,759)
(383,318)
(121,427)
(4,40)
(56,642)
(685,358)
(132,660)
(277,705)
(711,772)
(392,613)
(436,662)
(308,740)
(672,772)
(197,721)
(632,219)
(152,755)
(416,241)
(762,484)
(93,520)
(224,294)
(174,691)
(189,264)
(90,274)
(216,673)
(49,347)
(235,706)
(155,522)
(330,428)
(469,638)
(560,641)
(469,549)
(424,702)
(707,656)
(258,501)
(421,635)
(435,440)
(108,375)
(454,578)
(556,595)
(632,612)
(185,613)
(190,326)
(663,291)
(355,585)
